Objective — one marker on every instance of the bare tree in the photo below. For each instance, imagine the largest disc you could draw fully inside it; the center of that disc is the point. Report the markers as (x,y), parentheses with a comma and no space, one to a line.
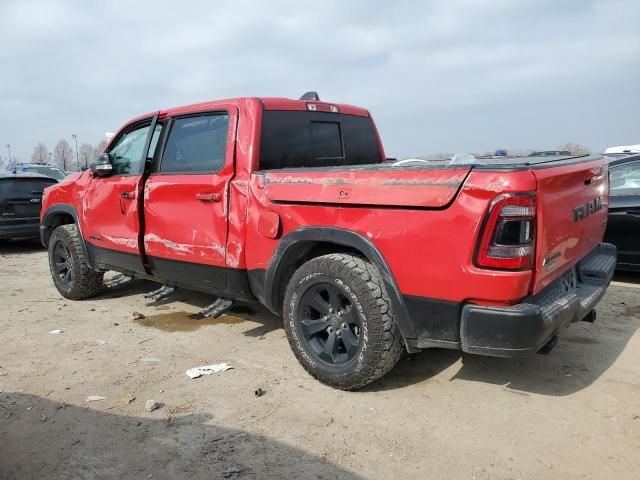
(86,155)
(40,154)
(100,148)
(63,155)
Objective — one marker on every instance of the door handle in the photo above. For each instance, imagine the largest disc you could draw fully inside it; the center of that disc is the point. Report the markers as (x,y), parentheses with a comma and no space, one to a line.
(127,195)
(208,197)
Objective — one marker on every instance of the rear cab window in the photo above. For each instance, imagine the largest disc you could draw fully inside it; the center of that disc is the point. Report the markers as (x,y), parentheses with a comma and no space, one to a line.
(299,139)
(24,187)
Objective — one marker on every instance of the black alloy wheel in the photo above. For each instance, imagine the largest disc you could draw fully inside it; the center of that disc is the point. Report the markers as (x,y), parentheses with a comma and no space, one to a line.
(63,263)
(330,324)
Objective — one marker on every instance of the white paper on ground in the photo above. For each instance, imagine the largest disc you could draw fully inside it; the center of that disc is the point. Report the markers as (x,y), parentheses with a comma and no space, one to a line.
(208,369)
(95,398)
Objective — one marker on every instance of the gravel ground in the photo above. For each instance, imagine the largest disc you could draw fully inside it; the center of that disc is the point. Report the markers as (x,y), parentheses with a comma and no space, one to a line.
(572,414)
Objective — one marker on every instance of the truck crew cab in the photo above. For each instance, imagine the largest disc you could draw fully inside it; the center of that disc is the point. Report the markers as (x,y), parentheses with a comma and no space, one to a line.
(290,203)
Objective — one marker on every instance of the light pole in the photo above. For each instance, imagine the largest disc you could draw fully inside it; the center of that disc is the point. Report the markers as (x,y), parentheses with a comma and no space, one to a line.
(9,149)
(75,138)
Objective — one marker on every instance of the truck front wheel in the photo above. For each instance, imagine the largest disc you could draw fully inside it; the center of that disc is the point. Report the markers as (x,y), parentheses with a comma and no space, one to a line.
(71,275)
(339,321)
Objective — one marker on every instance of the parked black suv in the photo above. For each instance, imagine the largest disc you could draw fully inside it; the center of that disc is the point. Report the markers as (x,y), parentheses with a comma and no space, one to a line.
(20,201)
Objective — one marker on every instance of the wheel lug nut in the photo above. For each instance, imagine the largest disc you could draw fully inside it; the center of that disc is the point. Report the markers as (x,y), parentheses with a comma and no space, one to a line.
(340,314)
(344,325)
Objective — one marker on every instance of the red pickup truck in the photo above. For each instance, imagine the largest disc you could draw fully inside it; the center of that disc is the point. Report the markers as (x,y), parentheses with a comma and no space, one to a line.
(291,203)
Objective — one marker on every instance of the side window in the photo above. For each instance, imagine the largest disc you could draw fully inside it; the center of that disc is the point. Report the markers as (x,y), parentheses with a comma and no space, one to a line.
(126,154)
(625,179)
(196,144)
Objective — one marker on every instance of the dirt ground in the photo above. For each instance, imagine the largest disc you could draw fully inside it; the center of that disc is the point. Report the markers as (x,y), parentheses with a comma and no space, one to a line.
(440,414)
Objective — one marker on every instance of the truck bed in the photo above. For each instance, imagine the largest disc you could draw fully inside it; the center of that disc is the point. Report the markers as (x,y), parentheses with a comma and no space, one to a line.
(388,185)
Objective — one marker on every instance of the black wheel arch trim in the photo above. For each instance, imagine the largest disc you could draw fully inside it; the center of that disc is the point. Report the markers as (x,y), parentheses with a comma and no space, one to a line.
(345,238)
(46,226)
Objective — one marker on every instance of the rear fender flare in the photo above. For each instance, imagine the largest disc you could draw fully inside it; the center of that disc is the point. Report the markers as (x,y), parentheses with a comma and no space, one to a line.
(345,238)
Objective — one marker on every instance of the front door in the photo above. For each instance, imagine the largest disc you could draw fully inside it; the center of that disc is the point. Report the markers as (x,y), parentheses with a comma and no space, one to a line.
(186,201)
(111,206)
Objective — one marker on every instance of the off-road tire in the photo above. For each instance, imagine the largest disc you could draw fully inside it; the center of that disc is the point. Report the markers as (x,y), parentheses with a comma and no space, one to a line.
(83,282)
(380,343)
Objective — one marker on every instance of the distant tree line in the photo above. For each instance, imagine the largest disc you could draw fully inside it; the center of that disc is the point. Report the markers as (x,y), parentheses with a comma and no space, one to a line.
(64,157)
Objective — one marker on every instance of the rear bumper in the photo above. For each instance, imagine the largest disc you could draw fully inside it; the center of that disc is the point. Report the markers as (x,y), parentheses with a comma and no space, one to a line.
(20,230)
(526,327)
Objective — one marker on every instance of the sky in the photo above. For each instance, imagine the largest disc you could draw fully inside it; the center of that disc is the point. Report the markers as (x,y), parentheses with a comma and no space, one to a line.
(437,76)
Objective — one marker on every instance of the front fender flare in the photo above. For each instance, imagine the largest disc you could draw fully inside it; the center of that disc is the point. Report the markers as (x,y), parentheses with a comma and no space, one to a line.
(47,224)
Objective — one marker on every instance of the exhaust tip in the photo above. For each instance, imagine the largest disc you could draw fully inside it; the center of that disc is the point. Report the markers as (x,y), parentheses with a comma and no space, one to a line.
(546,349)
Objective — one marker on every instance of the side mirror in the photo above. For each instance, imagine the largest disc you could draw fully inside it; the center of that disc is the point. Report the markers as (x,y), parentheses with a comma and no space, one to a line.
(102,167)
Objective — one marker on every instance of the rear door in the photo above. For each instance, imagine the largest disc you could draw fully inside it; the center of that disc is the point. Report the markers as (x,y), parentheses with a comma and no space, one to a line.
(572,215)
(21,198)
(186,200)
(111,205)
(623,228)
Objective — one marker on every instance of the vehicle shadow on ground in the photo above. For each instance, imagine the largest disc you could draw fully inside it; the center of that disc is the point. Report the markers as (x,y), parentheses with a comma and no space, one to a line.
(10,247)
(135,286)
(41,438)
(584,352)
(240,311)
(627,277)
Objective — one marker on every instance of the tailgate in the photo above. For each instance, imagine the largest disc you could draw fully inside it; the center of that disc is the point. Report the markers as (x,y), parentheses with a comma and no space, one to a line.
(22,197)
(398,187)
(572,215)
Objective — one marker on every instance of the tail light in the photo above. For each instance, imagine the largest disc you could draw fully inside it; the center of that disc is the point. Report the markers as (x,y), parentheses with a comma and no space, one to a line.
(507,240)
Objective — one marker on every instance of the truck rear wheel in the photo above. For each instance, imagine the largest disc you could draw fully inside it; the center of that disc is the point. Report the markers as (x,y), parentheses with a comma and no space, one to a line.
(339,321)
(71,275)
